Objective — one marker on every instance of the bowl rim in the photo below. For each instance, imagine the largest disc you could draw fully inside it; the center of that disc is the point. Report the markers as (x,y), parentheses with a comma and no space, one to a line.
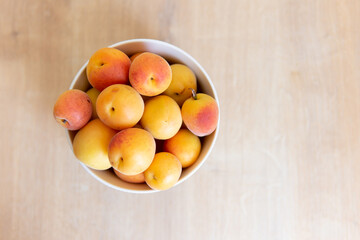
(145,40)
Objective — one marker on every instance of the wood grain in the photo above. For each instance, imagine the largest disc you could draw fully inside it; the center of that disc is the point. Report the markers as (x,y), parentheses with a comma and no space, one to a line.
(286,164)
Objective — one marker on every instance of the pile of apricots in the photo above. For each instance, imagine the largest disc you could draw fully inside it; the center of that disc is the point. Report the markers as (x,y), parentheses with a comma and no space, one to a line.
(142,117)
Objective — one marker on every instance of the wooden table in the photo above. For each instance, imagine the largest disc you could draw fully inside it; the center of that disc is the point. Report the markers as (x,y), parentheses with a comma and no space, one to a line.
(287,161)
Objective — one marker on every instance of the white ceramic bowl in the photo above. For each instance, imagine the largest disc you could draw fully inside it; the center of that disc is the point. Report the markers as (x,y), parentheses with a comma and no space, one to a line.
(173,55)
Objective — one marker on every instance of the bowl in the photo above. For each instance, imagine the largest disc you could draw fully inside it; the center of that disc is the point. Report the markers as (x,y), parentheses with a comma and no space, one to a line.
(173,55)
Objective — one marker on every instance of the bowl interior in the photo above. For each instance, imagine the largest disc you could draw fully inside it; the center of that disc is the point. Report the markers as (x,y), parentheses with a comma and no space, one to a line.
(173,55)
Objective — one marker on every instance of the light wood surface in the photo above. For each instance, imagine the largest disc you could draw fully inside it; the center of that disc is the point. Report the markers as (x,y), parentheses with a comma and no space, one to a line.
(287,161)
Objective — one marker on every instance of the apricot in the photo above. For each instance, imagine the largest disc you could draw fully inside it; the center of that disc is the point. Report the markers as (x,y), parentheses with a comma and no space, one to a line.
(73,109)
